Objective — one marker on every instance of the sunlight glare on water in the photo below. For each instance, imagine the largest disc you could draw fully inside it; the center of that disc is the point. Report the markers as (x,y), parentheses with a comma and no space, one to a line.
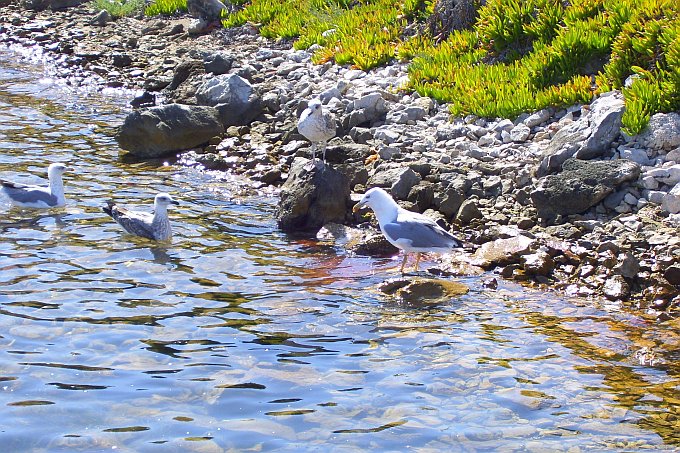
(237,337)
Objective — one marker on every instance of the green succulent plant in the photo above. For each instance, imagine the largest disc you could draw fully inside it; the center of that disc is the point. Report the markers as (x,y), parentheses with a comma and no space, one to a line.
(520,55)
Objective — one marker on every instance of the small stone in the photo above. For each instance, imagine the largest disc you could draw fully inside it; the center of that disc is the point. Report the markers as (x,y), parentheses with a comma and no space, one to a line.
(628,265)
(468,211)
(673,176)
(616,288)
(520,133)
(539,263)
(400,181)
(673,156)
(502,251)
(486,140)
(649,182)
(525,223)
(672,274)
(671,201)
(655,196)
(537,118)
(637,155)
(102,18)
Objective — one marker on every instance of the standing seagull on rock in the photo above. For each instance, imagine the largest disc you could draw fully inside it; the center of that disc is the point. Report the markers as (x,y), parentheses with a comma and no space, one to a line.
(26,196)
(406,230)
(154,226)
(317,126)
(207,12)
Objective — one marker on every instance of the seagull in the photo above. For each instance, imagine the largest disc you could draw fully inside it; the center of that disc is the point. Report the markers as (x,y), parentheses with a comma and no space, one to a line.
(317,127)
(154,226)
(207,12)
(406,230)
(26,196)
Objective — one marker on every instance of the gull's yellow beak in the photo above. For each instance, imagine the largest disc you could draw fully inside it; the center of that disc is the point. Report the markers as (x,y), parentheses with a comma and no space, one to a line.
(356,208)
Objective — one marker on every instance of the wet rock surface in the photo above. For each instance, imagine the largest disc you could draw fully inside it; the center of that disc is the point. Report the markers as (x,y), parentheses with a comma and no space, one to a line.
(419,290)
(527,181)
(157,131)
(312,197)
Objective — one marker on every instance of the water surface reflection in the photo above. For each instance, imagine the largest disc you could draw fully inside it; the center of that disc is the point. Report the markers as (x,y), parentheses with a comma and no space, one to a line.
(237,337)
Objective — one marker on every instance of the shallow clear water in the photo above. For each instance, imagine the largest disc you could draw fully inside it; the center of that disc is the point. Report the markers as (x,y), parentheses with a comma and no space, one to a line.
(236,337)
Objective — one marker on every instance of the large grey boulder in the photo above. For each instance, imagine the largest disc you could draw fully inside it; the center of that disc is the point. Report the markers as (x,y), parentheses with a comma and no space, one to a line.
(581,185)
(234,97)
(588,137)
(157,131)
(311,198)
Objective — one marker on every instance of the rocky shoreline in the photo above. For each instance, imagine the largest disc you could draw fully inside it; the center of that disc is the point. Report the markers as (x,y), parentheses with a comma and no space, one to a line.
(559,197)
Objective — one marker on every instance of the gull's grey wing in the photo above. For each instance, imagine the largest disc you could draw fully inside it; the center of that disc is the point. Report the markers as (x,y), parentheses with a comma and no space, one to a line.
(137,223)
(28,194)
(329,124)
(422,234)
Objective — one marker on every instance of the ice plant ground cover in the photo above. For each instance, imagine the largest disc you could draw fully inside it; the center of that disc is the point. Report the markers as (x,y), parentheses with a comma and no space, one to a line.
(519,56)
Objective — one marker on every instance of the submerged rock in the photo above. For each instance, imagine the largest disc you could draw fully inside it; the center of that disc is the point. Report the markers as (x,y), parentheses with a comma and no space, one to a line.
(311,198)
(423,290)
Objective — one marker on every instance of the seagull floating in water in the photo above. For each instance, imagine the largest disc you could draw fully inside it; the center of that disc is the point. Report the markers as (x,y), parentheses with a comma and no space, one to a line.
(406,230)
(207,12)
(28,196)
(317,126)
(154,226)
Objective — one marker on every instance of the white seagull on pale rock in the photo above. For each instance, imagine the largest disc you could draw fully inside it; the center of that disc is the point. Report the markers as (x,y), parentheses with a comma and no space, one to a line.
(29,196)
(406,230)
(154,226)
(317,126)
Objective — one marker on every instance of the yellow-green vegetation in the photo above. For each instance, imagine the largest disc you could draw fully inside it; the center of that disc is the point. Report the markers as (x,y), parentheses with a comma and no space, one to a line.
(119,8)
(520,56)
(165,7)
(361,33)
(523,55)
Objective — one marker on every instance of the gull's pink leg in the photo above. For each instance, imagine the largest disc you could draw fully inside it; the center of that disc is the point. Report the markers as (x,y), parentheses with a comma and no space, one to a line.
(403,263)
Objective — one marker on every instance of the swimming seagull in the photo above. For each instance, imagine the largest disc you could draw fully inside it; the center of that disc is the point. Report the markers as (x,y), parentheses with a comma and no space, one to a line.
(406,230)
(317,126)
(207,12)
(51,196)
(154,226)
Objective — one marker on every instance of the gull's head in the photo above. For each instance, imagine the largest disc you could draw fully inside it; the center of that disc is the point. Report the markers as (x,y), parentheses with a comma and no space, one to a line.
(314,106)
(56,169)
(374,198)
(164,199)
